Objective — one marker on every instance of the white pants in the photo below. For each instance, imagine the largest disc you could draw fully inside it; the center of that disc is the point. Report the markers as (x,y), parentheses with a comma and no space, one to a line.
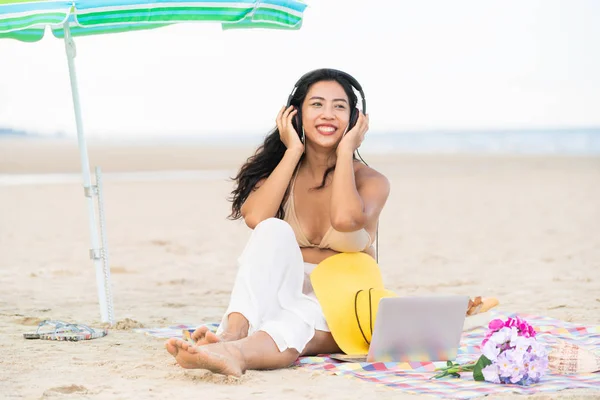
(273,290)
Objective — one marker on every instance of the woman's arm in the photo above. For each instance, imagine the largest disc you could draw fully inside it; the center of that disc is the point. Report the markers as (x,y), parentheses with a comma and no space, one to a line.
(356,201)
(265,199)
(347,209)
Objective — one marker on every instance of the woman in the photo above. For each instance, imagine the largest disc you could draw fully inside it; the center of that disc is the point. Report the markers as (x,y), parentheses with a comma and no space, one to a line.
(307,198)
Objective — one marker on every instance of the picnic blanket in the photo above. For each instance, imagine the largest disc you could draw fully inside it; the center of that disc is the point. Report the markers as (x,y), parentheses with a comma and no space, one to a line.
(416,377)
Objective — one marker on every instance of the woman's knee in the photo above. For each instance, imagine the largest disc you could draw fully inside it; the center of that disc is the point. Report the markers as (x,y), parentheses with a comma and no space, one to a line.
(273,224)
(270,234)
(274,229)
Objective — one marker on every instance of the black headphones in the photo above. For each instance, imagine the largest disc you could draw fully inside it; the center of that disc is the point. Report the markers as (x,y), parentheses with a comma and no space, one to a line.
(297,122)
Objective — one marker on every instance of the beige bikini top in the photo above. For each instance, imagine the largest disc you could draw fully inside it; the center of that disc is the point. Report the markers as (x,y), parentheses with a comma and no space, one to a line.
(343,242)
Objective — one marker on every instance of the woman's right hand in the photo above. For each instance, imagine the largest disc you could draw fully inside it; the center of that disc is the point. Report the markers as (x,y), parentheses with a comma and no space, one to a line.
(287,133)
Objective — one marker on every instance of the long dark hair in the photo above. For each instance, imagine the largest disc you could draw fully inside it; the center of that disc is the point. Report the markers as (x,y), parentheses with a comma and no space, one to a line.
(269,154)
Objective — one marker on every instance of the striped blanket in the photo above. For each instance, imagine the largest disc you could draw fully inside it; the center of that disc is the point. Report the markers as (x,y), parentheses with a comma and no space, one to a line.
(416,377)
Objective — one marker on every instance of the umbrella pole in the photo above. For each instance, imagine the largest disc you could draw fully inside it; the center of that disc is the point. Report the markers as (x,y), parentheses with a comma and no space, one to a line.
(99,255)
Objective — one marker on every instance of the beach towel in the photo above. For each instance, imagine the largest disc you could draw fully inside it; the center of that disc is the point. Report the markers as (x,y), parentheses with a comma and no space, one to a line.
(416,377)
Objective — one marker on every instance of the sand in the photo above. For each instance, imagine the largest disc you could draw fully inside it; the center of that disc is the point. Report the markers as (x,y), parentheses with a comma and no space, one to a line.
(525,229)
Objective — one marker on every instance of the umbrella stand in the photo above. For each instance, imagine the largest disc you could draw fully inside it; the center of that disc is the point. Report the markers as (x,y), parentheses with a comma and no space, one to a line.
(99,255)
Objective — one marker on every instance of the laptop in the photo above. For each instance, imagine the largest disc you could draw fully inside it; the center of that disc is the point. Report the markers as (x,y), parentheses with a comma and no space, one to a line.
(424,328)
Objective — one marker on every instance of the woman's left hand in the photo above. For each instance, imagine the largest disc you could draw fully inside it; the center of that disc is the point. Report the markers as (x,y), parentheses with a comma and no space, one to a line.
(353,139)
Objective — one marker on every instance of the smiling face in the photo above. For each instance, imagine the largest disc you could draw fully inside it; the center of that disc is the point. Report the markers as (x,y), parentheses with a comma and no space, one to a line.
(325,113)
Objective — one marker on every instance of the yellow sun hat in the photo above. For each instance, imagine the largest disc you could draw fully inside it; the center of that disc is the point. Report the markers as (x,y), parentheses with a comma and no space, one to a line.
(349,287)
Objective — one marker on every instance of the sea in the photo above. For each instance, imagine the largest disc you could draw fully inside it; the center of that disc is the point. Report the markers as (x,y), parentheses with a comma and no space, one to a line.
(571,142)
(546,142)
(581,141)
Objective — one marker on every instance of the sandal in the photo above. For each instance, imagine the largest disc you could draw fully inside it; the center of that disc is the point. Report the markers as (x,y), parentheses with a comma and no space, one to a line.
(49,326)
(75,333)
(479,305)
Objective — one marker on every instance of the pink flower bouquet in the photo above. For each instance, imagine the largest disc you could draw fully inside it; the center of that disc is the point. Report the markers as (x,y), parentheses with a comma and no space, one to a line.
(510,354)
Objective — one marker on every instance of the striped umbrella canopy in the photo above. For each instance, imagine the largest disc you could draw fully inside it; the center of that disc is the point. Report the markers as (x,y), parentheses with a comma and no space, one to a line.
(27,20)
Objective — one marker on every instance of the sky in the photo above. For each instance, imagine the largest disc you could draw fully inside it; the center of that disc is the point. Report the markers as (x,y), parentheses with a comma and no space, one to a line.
(423,64)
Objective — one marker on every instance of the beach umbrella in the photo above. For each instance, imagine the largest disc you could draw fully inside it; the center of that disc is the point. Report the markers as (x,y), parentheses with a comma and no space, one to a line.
(27,20)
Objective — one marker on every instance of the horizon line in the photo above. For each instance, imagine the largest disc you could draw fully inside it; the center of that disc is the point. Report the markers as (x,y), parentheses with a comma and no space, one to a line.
(16,132)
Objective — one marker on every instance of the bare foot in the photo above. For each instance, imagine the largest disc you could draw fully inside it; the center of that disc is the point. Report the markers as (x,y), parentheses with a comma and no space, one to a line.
(219,358)
(237,329)
(203,335)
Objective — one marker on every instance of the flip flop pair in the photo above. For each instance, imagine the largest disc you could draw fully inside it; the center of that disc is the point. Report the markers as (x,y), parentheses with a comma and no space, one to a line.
(60,330)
